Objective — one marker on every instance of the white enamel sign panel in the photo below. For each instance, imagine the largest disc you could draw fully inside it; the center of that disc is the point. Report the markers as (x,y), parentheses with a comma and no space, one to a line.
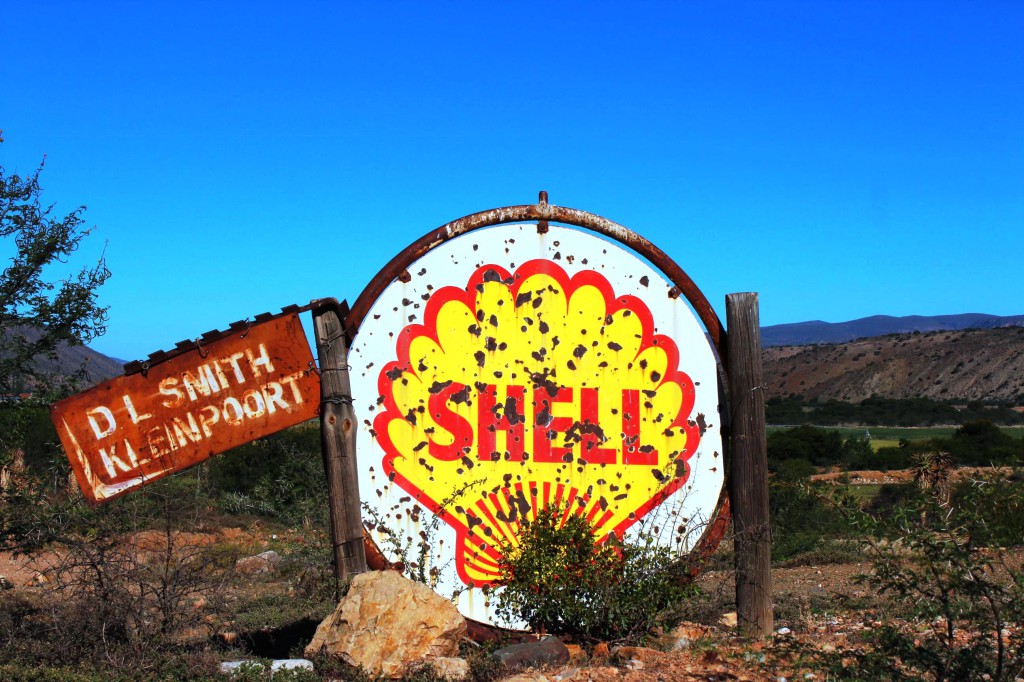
(518,370)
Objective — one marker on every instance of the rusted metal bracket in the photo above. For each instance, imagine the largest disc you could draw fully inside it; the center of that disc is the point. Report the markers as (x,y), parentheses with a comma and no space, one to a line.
(544,213)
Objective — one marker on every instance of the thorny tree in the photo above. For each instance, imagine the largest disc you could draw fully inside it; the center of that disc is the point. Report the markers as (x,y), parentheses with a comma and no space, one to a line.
(39,314)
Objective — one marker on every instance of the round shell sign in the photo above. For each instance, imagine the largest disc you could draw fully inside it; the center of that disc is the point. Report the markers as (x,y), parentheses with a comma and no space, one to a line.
(511,369)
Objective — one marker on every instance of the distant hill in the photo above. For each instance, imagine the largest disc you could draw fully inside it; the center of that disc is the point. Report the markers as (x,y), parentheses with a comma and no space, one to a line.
(93,366)
(954,357)
(97,367)
(803,333)
(978,364)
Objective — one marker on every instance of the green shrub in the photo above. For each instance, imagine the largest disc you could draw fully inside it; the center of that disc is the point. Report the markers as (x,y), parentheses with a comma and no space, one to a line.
(965,602)
(885,459)
(805,523)
(820,447)
(561,580)
(793,470)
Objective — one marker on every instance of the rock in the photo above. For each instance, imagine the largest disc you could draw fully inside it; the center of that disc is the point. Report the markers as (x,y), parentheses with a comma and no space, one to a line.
(728,620)
(291,664)
(264,562)
(634,664)
(526,677)
(232,667)
(5,584)
(603,673)
(387,622)
(641,654)
(682,636)
(548,651)
(576,652)
(783,631)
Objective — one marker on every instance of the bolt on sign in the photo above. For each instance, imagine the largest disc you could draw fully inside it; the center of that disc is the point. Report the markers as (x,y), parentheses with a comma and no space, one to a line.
(135,429)
(515,367)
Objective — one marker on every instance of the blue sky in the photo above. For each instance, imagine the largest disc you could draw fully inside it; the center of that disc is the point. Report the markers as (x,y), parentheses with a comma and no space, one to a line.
(843,159)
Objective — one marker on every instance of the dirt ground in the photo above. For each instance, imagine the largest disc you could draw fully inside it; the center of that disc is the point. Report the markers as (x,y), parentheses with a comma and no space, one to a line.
(823,608)
(716,653)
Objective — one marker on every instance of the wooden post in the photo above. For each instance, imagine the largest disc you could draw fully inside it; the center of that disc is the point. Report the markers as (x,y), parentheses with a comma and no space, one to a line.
(748,489)
(338,442)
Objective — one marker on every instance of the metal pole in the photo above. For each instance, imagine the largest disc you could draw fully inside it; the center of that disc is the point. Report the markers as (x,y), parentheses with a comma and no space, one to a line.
(748,488)
(338,441)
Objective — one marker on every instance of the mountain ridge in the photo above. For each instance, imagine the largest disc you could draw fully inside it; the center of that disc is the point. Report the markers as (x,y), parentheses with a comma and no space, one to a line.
(969,356)
(952,365)
(817,331)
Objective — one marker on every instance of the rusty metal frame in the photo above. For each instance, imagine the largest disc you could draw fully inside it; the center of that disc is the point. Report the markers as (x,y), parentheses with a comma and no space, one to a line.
(545,213)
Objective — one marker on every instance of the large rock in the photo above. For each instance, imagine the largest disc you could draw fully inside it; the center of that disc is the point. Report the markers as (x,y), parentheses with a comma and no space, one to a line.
(264,562)
(387,622)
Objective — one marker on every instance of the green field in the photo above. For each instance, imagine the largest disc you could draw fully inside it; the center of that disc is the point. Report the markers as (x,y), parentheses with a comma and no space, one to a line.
(890,433)
(890,436)
(864,493)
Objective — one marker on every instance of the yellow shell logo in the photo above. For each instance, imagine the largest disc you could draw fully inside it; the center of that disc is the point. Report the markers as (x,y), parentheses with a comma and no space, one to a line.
(529,389)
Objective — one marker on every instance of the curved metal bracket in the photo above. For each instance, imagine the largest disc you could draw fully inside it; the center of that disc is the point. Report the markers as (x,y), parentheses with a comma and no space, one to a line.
(544,213)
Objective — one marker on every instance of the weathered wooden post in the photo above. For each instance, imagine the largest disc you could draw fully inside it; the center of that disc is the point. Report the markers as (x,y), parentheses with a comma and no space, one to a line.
(749,478)
(338,441)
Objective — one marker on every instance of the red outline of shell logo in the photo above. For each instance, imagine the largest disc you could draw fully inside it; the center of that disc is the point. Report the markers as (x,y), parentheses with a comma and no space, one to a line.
(528,389)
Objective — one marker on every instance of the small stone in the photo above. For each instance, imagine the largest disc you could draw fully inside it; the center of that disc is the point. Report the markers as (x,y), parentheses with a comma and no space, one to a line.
(683,636)
(576,652)
(232,667)
(264,562)
(828,649)
(728,620)
(603,672)
(548,651)
(291,664)
(567,674)
(783,631)
(634,664)
(637,653)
